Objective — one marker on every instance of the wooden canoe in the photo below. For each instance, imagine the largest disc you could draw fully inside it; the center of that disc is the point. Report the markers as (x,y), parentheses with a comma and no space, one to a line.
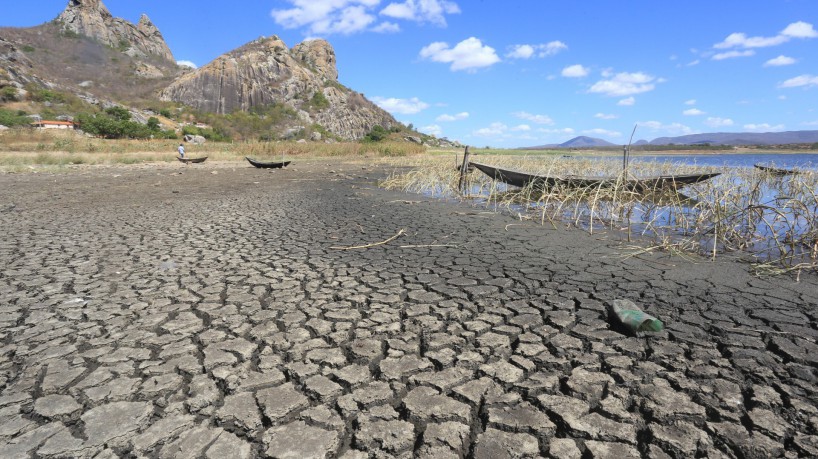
(776,171)
(649,183)
(267,165)
(192,160)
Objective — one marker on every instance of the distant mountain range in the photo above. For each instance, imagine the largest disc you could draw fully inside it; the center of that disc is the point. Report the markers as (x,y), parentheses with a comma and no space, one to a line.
(715,138)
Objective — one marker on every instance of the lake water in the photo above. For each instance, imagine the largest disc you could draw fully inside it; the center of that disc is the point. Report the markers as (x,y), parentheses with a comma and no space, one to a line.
(783,160)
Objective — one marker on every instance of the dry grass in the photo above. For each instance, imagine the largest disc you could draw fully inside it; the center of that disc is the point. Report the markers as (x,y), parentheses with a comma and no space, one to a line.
(23,149)
(744,210)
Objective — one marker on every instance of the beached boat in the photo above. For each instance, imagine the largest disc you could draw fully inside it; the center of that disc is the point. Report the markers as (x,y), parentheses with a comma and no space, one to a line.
(775,170)
(267,165)
(192,160)
(649,183)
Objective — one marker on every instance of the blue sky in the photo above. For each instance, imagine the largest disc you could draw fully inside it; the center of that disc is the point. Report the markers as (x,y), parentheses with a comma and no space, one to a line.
(529,72)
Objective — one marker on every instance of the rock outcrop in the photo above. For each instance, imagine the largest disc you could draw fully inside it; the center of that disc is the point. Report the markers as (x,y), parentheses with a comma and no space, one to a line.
(91,18)
(266,72)
(15,67)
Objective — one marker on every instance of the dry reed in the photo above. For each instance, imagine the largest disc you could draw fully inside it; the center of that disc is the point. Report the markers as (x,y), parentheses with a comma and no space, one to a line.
(744,210)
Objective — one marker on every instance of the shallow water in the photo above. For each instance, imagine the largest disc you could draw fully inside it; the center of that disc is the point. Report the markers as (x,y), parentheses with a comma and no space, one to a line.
(783,160)
(770,217)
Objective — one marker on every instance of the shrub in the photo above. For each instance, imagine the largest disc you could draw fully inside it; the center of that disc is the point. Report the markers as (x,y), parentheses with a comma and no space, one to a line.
(44,95)
(119,113)
(69,34)
(377,134)
(110,127)
(153,123)
(11,118)
(8,94)
(318,101)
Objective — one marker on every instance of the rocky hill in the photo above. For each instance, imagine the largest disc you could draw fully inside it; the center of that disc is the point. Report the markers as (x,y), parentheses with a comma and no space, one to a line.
(92,19)
(68,53)
(87,52)
(265,72)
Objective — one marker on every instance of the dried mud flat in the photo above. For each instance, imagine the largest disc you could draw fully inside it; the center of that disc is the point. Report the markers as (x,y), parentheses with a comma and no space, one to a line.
(148,313)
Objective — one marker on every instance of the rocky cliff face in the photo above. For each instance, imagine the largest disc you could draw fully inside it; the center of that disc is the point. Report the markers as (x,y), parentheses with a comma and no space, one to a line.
(15,67)
(91,18)
(265,71)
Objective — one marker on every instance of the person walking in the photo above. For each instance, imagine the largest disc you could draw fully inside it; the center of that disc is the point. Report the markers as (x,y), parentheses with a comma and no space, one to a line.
(181,150)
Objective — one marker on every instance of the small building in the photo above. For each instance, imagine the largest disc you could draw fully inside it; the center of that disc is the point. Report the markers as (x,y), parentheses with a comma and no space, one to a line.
(42,124)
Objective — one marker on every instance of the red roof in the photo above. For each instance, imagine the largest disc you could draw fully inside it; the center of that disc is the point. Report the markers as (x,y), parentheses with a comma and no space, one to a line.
(53,123)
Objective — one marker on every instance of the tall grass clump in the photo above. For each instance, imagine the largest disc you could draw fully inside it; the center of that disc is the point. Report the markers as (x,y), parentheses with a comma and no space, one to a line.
(773,219)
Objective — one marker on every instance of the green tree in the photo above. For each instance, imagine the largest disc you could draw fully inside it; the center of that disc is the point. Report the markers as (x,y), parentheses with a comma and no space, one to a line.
(8,94)
(10,118)
(119,113)
(377,134)
(153,123)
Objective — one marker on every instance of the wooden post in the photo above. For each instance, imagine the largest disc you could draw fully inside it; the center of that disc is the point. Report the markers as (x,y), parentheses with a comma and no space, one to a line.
(464,169)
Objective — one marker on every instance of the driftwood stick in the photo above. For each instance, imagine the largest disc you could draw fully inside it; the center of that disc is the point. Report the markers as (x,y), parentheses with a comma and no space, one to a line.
(426,245)
(464,169)
(400,233)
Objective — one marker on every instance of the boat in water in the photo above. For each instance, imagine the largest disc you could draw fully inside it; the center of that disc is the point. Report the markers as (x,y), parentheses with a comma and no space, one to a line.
(775,171)
(641,184)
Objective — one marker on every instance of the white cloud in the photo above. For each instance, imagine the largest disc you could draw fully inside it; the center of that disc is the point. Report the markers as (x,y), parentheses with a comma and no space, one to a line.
(690,102)
(716,122)
(537,119)
(626,102)
(401,106)
(604,116)
(802,80)
(469,54)
(798,29)
(672,128)
(457,117)
(432,11)
(325,17)
(386,27)
(521,128)
(521,52)
(493,130)
(733,54)
(432,129)
(693,63)
(187,64)
(764,127)
(604,132)
(575,71)
(624,84)
(780,61)
(541,50)
(692,112)
(740,40)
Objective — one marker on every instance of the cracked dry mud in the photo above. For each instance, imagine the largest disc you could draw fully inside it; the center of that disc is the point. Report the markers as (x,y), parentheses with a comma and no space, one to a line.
(188,312)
